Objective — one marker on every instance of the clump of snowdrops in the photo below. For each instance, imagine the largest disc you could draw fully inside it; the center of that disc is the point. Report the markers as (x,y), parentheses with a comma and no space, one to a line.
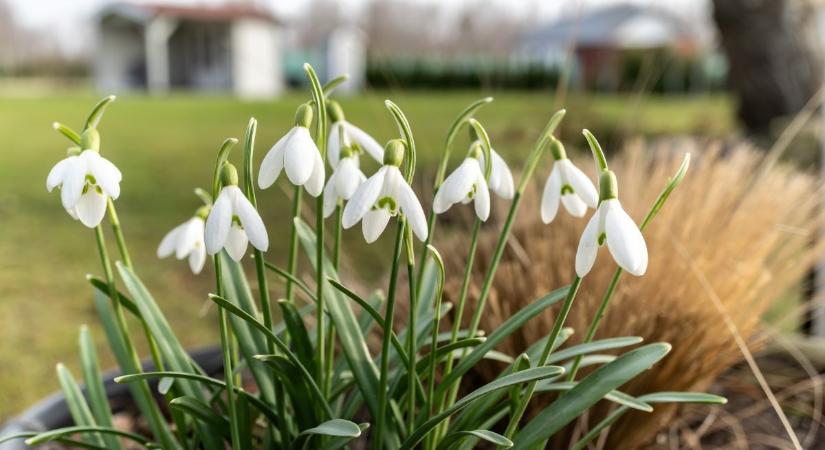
(320,385)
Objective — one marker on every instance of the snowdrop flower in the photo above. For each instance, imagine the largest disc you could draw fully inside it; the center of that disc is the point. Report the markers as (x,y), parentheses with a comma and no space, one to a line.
(466,184)
(186,240)
(613,225)
(345,180)
(567,184)
(384,195)
(501,179)
(297,153)
(233,221)
(342,130)
(86,180)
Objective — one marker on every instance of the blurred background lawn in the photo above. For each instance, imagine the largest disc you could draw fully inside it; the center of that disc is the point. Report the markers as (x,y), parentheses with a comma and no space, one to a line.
(165,147)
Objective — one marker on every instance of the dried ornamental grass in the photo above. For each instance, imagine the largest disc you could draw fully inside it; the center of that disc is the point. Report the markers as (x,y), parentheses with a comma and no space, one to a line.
(750,235)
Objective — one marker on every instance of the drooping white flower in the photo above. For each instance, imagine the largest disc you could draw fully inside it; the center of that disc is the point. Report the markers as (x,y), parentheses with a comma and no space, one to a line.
(233,222)
(297,154)
(612,225)
(568,185)
(501,179)
(186,240)
(86,182)
(342,131)
(383,195)
(466,184)
(341,186)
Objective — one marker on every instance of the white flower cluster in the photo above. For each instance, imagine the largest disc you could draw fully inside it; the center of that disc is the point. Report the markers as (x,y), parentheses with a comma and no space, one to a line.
(88,182)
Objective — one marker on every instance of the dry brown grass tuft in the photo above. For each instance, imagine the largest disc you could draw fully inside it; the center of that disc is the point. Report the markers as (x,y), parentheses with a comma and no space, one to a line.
(750,235)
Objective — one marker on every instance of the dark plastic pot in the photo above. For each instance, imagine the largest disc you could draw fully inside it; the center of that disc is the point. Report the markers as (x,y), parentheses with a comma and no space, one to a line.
(52,412)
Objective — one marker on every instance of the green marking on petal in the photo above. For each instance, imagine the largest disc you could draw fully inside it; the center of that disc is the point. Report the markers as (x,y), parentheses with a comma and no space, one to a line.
(602,238)
(567,189)
(387,203)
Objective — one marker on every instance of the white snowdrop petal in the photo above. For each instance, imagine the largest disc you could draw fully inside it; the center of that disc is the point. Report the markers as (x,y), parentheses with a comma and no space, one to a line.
(624,240)
(330,198)
(252,223)
(551,196)
(185,241)
(91,208)
(55,177)
(588,246)
(236,242)
(574,205)
(482,198)
(455,187)
(315,183)
(106,175)
(74,178)
(334,144)
(365,141)
(409,204)
(273,162)
(582,185)
(349,178)
(364,198)
(197,258)
(169,242)
(298,160)
(504,186)
(218,223)
(374,223)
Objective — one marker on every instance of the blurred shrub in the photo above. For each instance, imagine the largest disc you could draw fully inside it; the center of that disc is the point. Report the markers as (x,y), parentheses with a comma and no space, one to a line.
(748,231)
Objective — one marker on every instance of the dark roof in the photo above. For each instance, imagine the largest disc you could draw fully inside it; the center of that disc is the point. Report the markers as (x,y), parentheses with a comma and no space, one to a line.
(227,12)
(599,27)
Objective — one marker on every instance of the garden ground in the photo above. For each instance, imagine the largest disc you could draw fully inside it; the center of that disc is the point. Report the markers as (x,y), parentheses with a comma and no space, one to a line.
(165,147)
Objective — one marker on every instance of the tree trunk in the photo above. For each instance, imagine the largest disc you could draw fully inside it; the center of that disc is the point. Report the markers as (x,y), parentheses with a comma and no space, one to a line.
(773,49)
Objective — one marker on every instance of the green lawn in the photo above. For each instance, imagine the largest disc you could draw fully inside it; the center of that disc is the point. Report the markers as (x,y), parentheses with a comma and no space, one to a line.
(165,147)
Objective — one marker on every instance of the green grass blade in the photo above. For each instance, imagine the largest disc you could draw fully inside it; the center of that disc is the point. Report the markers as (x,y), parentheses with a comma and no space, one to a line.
(587,393)
(340,442)
(335,428)
(525,376)
(297,389)
(72,443)
(78,408)
(98,402)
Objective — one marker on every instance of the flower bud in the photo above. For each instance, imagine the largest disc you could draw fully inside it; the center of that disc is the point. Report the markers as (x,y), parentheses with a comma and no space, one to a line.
(90,140)
(336,114)
(394,152)
(303,116)
(608,187)
(557,149)
(229,175)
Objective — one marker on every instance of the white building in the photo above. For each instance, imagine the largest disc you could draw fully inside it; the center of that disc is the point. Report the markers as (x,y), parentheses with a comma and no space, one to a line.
(159,47)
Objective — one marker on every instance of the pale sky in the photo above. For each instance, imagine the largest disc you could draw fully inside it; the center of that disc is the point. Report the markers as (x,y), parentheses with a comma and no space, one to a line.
(69,20)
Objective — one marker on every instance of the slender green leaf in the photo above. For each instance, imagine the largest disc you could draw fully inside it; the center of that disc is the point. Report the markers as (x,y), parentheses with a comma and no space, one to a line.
(98,402)
(336,443)
(79,409)
(52,435)
(505,329)
(588,392)
(294,385)
(614,396)
(69,442)
(352,341)
(525,376)
(454,438)
(335,427)
(592,347)
(657,397)
(202,412)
